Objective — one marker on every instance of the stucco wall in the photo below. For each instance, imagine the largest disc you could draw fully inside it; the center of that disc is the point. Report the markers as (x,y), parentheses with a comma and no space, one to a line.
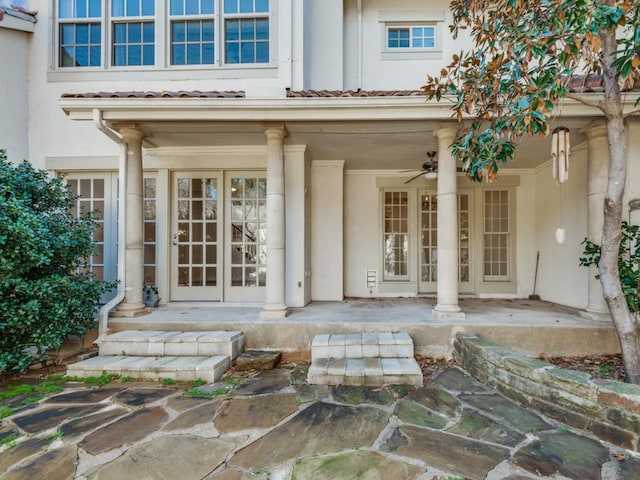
(402,72)
(14,90)
(560,278)
(361,239)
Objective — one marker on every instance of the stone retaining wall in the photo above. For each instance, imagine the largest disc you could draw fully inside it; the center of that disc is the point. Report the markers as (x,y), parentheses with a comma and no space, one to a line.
(607,408)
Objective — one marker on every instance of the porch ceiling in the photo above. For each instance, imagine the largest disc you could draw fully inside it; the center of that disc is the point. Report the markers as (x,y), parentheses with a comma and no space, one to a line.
(379,144)
(367,133)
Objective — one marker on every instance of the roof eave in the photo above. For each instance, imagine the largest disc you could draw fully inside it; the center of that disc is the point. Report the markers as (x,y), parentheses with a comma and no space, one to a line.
(281,109)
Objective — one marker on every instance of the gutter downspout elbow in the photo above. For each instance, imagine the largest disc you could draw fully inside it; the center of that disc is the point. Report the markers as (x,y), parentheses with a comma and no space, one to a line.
(103,314)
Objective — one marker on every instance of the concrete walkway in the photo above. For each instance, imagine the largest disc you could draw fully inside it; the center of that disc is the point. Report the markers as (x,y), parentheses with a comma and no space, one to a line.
(272,425)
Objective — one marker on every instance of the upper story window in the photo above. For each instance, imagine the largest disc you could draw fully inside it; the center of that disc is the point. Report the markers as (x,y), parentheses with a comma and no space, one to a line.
(411,34)
(148,33)
(411,37)
(133,32)
(80,33)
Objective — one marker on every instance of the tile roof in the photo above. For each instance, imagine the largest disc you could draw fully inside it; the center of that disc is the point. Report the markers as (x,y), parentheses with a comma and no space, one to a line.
(164,94)
(577,84)
(354,93)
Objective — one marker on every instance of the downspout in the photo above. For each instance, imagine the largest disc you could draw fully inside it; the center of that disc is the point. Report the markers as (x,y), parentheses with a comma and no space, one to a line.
(360,45)
(103,314)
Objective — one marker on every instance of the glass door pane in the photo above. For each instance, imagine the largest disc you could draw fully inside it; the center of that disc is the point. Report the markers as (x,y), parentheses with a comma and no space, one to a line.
(429,242)
(246,250)
(195,237)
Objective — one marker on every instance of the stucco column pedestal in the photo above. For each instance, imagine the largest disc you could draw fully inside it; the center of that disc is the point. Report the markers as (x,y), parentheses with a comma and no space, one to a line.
(598,168)
(447,306)
(132,305)
(275,304)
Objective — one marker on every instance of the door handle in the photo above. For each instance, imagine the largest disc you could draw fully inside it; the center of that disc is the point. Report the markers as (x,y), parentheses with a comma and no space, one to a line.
(174,239)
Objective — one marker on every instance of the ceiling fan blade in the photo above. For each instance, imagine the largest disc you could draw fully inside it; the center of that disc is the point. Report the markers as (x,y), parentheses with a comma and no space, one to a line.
(414,177)
(411,170)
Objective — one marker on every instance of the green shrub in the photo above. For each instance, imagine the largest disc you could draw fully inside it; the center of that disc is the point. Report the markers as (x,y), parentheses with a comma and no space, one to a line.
(46,291)
(628,263)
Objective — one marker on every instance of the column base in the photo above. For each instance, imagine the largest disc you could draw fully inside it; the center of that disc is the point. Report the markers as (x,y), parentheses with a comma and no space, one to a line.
(130,310)
(593,315)
(280,311)
(448,312)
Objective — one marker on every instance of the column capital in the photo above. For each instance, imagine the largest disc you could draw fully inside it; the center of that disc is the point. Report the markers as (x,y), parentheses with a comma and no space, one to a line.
(130,131)
(274,130)
(596,129)
(446,132)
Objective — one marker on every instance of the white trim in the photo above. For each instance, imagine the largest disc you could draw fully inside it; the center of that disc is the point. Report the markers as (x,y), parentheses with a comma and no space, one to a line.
(286,109)
(327,163)
(411,15)
(13,23)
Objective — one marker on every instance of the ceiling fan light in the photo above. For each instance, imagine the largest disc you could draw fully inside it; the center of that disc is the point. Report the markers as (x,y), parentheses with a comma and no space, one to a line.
(431,175)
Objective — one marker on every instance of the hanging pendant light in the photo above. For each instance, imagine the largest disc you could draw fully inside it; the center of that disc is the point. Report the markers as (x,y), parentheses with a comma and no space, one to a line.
(560,149)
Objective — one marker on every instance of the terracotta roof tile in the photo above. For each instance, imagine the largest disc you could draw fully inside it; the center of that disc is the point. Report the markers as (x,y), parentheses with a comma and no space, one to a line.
(164,94)
(586,83)
(353,93)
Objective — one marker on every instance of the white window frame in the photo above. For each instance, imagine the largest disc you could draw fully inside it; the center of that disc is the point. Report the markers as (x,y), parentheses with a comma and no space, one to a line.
(162,41)
(409,19)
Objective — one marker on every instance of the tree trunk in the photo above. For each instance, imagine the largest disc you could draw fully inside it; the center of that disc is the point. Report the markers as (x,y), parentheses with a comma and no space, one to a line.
(623,321)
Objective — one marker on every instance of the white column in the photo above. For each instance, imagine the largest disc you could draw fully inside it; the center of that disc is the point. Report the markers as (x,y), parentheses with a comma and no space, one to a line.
(447,306)
(597,172)
(132,305)
(275,304)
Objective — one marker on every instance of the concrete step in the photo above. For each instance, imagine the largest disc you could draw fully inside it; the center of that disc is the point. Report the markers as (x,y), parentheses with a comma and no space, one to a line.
(362,345)
(181,368)
(363,359)
(174,343)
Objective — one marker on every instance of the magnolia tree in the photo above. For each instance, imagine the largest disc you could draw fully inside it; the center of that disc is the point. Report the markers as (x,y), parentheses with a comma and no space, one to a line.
(524,54)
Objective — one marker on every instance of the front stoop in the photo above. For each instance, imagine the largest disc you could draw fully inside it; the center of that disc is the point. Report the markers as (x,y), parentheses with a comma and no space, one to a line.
(363,359)
(159,354)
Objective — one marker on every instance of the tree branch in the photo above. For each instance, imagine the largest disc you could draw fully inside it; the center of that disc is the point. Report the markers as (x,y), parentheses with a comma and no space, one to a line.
(631,113)
(579,98)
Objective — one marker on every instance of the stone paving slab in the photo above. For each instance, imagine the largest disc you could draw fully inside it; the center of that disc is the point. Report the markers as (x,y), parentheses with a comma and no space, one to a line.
(475,425)
(450,453)
(196,416)
(451,426)
(240,414)
(559,452)
(50,417)
(183,457)
(137,397)
(358,465)
(320,428)
(129,429)
(82,426)
(94,395)
(498,406)
(59,464)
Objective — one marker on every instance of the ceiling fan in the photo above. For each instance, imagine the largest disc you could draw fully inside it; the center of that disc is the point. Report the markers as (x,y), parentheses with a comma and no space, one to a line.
(429,169)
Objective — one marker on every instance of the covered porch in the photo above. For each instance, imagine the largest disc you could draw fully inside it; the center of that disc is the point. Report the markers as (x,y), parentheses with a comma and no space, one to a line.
(531,326)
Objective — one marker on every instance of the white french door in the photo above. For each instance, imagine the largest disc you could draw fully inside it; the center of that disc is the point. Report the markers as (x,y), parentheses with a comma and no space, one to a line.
(428,241)
(245,257)
(218,238)
(195,236)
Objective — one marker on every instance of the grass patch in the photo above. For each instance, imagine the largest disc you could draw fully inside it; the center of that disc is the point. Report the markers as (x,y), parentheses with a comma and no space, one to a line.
(8,440)
(54,436)
(168,381)
(40,390)
(234,380)
(6,411)
(197,383)
(196,392)
(103,379)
